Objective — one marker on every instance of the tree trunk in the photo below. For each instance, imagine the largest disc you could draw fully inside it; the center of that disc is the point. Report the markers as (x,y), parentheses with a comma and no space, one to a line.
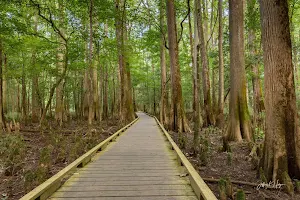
(4,84)
(59,107)
(239,119)
(258,102)
(91,106)
(105,93)
(163,75)
(2,119)
(281,156)
(178,120)
(127,110)
(35,84)
(114,95)
(208,111)
(196,78)
(24,103)
(220,118)
(154,92)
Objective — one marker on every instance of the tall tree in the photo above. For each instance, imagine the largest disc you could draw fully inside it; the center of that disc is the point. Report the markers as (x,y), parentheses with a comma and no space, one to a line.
(281,157)
(220,117)
(253,23)
(93,95)
(59,108)
(35,107)
(127,110)
(178,117)
(163,68)
(208,111)
(2,119)
(196,80)
(239,119)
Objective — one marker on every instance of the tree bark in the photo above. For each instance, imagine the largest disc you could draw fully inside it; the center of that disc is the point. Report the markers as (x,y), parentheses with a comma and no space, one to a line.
(2,119)
(91,106)
(281,154)
(24,102)
(127,110)
(208,111)
(196,80)
(258,102)
(59,107)
(220,117)
(239,119)
(163,72)
(4,84)
(105,93)
(178,120)
(35,115)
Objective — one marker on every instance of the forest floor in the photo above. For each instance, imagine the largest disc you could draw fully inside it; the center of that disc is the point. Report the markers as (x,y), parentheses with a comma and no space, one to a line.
(30,157)
(214,164)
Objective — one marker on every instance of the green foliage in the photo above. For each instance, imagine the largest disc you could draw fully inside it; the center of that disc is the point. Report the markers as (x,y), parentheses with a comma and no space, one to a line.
(240,195)
(222,189)
(12,153)
(297,186)
(182,140)
(258,133)
(229,158)
(205,149)
(262,175)
(13,116)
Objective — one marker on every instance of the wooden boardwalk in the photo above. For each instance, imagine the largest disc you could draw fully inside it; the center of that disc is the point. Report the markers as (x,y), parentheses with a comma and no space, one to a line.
(138,166)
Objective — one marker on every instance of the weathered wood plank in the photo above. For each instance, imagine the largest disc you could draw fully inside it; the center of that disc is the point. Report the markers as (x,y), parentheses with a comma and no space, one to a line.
(126,187)
(153,193)
(122,178)
(74,183)
(126,174)
(134,198)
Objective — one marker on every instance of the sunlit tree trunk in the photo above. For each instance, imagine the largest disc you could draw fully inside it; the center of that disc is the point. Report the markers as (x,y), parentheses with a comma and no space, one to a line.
(178,120)
(281,155)
(239,119)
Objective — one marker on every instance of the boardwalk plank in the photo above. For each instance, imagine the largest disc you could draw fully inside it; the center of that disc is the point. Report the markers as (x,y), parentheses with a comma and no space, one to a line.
(153,193)
(133,198)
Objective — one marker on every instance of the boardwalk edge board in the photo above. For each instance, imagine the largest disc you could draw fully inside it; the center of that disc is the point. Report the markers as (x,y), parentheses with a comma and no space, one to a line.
(200,188)
(47,188)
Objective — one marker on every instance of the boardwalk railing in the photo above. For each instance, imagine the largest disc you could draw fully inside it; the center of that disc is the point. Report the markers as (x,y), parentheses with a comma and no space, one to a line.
(47,188)
(200,188)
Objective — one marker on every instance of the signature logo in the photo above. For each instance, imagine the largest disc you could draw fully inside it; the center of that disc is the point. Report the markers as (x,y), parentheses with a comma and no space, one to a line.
(270,185)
